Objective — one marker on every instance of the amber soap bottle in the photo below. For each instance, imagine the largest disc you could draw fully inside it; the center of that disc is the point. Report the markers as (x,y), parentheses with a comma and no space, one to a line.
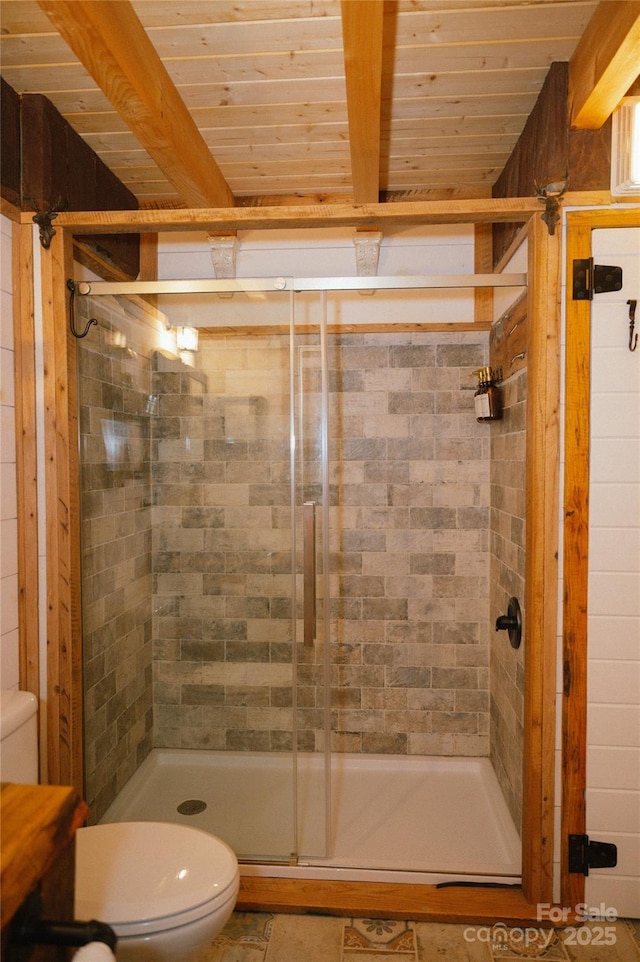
(488,396)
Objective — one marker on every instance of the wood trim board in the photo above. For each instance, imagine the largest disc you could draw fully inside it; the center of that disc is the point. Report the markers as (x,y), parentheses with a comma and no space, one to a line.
(225,219)
(541,558)
(26,459)
(64,626)
(580,225)
(418,903)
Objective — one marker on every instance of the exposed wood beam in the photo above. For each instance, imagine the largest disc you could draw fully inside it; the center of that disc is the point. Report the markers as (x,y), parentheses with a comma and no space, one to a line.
(113,46)
(362,25)
(483,211)
(605,63)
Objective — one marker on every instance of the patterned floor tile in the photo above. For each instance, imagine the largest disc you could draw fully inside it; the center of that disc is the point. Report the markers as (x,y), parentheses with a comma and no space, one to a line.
(633,926)
(528,942)
(247,927)
(263,937)
(244,938)
(361,955)
(232,952)
(379,935)
(451,942)
(305,938)
(602,942)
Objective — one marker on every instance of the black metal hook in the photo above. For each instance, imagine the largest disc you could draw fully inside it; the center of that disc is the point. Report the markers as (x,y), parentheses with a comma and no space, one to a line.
(44,218)
(550,196)
(633,341)
(72,312)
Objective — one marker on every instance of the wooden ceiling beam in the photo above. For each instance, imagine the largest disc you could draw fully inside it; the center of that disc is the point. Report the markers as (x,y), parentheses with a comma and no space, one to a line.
(112,45)
(481,211)
(605,63)
(362,28)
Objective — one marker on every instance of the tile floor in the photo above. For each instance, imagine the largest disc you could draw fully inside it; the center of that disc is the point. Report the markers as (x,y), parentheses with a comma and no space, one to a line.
(262,937)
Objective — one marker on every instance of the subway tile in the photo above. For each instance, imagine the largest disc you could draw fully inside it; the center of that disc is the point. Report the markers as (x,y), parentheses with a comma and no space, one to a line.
(389,474)
(614,725)
(430,699)
(408,677)
(613,637)
(410,448)
(385,563)
(426,743)
(613,548)
(614,682)
(396,699)
(619,589)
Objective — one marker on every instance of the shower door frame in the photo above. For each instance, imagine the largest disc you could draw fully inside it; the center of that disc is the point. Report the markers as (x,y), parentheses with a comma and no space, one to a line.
(64,708)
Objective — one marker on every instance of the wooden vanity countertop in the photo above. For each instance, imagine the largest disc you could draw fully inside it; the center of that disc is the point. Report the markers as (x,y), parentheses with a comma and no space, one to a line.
(37,822)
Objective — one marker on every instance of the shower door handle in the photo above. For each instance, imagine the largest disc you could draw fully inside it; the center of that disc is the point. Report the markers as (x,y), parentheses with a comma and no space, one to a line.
(309,570)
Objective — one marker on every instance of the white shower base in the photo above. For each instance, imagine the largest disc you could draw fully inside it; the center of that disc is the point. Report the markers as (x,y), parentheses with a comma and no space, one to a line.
(394,818)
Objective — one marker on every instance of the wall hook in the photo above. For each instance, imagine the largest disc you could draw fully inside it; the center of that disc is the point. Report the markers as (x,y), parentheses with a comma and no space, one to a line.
(72,312)
(43,219)
(633,340)
(550,196)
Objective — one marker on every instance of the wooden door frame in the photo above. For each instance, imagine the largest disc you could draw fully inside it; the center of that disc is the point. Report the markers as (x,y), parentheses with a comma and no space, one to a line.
(64,705)
(580,225)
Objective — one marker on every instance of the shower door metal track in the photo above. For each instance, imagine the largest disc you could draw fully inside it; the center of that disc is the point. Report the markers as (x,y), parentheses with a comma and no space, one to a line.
(271,284)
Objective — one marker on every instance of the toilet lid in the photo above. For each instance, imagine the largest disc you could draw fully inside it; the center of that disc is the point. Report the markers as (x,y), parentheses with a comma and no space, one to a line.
(140,871)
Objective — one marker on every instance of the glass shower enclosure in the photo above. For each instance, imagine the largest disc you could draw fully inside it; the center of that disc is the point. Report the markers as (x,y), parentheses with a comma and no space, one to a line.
(205,496)
(208,478)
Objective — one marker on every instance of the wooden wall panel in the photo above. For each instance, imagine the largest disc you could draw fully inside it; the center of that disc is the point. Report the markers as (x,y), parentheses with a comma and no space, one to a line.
(540,155)
(541,570)
(64,629)
(47,165)
(121,251)
(548,152)
(44,154)
(483,264)
(576,561)
(508,340)
(26,459)
(590,158)
(60,170)
(10,154)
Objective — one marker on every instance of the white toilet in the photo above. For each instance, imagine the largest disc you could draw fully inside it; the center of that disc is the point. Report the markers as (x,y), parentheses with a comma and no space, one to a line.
(165,889)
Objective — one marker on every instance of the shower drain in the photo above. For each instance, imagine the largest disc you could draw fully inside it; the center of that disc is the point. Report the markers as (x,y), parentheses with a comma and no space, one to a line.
(192,806)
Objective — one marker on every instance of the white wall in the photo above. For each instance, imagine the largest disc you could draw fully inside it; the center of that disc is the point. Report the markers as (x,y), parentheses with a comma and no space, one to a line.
(327,253)
(613,713)
(9,668)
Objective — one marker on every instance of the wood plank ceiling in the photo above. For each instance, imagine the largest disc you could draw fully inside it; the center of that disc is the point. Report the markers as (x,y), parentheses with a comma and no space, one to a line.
(210,102)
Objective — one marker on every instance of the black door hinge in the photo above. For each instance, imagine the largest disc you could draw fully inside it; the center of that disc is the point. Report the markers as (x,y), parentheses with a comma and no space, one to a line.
(590,279)
(585,854)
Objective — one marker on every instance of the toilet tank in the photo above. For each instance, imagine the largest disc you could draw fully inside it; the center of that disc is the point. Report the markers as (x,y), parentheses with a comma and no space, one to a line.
(18,737)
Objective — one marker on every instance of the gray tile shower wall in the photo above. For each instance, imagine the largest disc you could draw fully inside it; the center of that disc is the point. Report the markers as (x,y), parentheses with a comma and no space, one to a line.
(508,503)
(114,383)
(409,519)
(186,548)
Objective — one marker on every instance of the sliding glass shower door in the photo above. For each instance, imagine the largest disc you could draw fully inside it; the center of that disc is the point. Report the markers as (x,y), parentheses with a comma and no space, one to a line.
(204,479)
